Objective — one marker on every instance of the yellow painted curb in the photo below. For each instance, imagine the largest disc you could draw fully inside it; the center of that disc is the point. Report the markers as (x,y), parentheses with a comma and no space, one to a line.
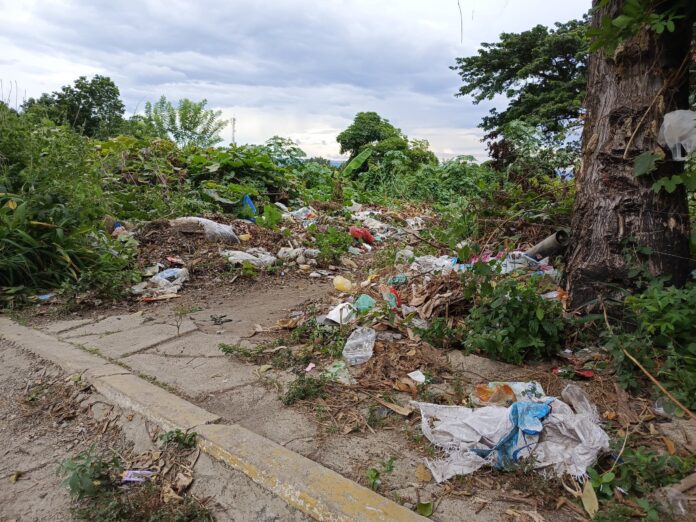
(304,484)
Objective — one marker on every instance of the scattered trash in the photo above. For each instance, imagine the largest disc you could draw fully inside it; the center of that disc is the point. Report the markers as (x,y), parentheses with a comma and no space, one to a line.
(256,256)
(304,213)
(417,376)
(245,237)
(175,260)
(339,372)
(405,256)
(282,207)
(119,229)
(163,285)
(359,346)
(679,130)
(390,295)
(398,279)
(310,367)
(44,298)
(137,475)
(342,314)
(361,233)
(152,270)
(416,223)
(549,246)
(569,372)
(247,202)
(505,393)
(564,437)
(355,251)
(354,207)
(213,231)
(364,303)
(432,264)
(342,284)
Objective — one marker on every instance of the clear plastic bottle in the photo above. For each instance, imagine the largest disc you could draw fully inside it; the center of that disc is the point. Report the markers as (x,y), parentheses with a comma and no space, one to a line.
(359,346)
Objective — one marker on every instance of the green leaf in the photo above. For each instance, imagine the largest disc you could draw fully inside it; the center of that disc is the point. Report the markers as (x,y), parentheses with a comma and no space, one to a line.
(540,313)
(622,21)
(356,162)
(608,477)
(644,163)
(424,508)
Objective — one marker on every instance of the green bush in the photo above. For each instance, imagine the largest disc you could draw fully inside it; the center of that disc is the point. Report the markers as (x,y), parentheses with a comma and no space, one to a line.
(88,473)
(511,322)
(659,332)
(332,244)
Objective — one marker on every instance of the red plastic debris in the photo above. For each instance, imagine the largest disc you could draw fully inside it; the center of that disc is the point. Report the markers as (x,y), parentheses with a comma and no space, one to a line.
(361,233)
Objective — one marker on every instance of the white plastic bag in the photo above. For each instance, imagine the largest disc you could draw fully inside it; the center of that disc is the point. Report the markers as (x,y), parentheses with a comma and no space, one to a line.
(679,130)
(213,231)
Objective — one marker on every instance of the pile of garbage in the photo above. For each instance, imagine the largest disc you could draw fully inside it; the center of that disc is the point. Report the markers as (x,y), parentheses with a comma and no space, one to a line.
(561,436)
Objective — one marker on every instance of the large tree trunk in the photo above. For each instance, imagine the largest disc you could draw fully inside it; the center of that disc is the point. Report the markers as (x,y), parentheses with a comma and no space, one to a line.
(615,213)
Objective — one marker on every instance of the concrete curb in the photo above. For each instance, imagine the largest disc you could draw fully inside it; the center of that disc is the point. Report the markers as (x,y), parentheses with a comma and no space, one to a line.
(302,483)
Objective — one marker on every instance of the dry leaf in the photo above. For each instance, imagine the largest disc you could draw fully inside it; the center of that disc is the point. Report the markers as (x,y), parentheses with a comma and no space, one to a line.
(671,447)
(609,415)
(401,410)
(423,473)
(589,499)
(181,483)
(169,495)
(287,324)
(406,384)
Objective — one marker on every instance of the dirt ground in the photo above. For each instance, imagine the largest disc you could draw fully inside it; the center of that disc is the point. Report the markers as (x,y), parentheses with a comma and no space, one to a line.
(349,429)
(46,418)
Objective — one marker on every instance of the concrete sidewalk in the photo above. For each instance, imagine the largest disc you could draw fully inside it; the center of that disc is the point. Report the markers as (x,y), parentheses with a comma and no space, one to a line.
(115,353)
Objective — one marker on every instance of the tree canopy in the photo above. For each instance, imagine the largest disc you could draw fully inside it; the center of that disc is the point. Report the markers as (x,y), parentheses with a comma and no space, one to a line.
(369,131)
(91,107)
(189,123)
(541,71)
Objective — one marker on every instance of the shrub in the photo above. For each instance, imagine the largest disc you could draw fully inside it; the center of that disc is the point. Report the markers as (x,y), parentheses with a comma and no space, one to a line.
(660,333)
(332,244)
(511,322)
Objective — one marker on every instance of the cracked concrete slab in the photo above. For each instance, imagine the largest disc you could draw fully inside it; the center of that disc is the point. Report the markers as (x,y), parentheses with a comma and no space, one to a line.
(260,410)
(198,344)
(65,326)
(115,323)
(193,375)
(132,340)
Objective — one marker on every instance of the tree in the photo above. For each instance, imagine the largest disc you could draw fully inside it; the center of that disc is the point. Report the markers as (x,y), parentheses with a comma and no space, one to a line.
(92,107)
(369,131)
(541,71)
(190,123)
(368,128)
(636,75)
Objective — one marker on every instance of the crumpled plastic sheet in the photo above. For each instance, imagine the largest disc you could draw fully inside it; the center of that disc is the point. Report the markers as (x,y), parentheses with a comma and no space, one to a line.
(432,264)
(256,256)
(562,437)
(168,281)
(679,130)
(213,231)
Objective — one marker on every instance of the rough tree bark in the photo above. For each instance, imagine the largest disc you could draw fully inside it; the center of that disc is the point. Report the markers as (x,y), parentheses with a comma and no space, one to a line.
(628,93)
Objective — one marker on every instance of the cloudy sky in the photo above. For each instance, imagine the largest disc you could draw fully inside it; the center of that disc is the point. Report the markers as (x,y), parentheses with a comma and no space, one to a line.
(295,68)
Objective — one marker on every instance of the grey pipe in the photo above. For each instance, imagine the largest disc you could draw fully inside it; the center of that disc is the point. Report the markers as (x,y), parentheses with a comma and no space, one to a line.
(549,246)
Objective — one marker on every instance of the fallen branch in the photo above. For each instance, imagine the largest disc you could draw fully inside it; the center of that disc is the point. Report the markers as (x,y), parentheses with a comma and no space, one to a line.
(662,388)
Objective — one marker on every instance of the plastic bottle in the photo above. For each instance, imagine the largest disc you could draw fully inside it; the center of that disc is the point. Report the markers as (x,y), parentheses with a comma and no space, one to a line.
(359,346)
(342,284)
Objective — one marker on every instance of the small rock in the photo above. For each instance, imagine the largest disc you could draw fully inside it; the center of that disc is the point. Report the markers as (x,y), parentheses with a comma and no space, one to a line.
(315,275)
